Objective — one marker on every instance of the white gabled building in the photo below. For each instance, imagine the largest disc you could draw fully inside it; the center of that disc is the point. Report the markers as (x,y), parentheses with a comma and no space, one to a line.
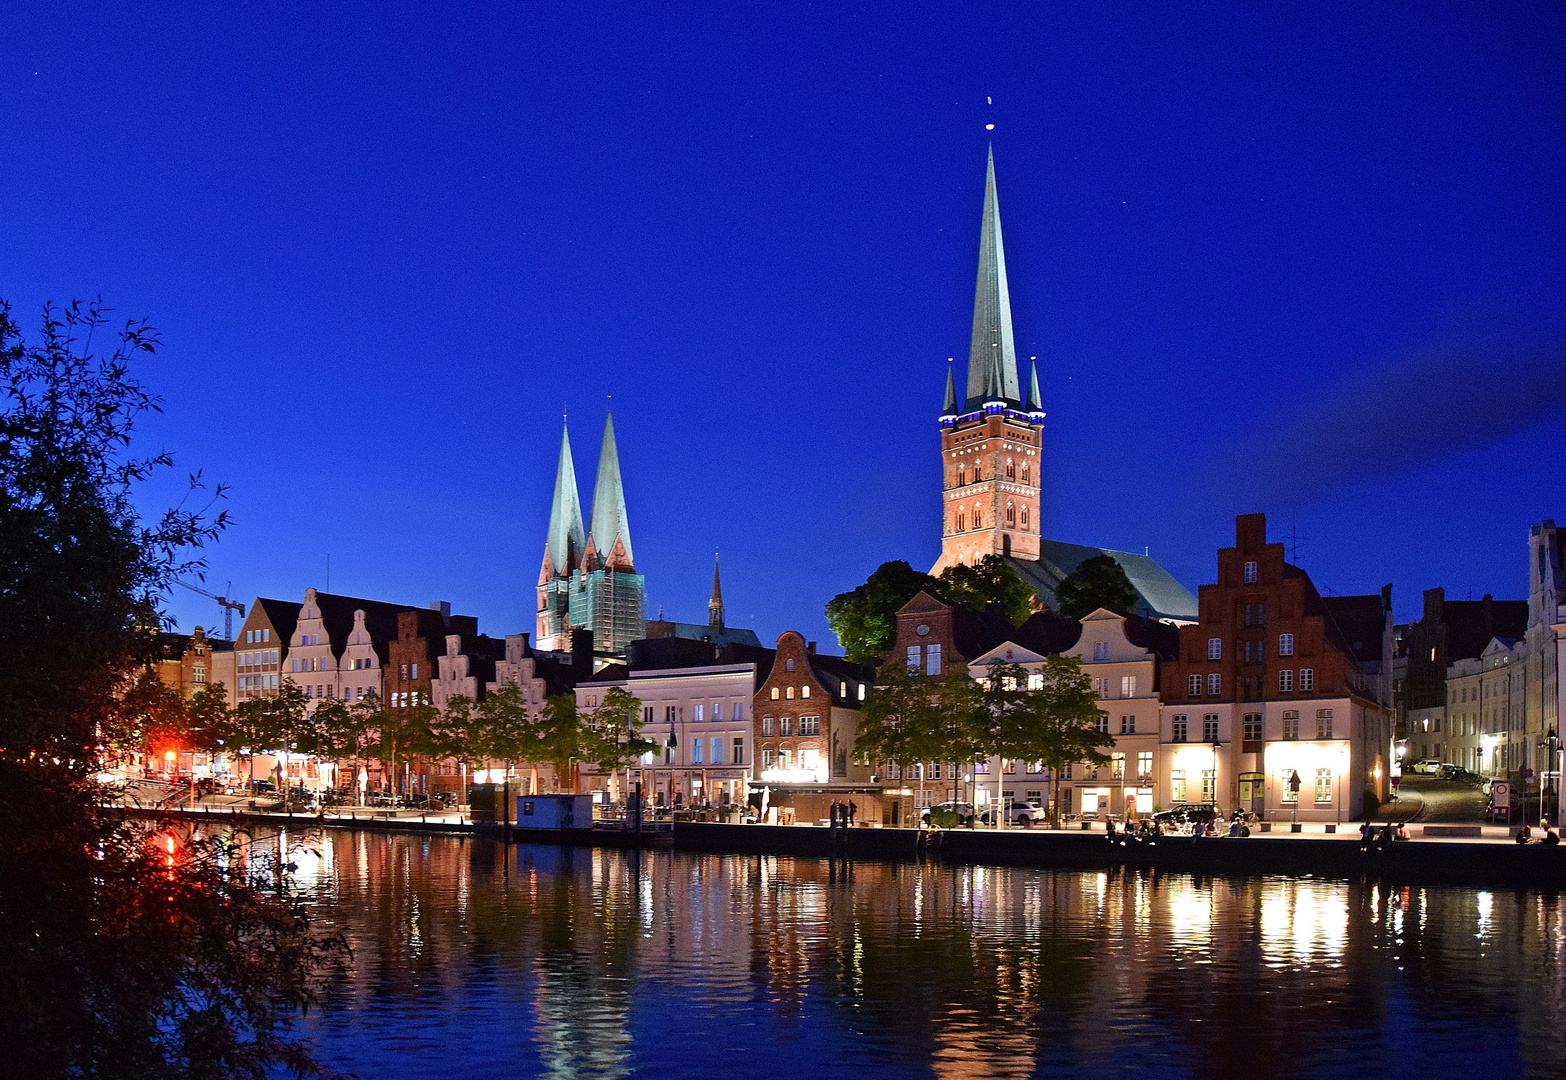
(696,704)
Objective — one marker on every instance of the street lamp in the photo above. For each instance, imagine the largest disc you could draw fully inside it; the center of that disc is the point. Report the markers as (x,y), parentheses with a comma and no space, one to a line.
(1216,745)
(1551,777)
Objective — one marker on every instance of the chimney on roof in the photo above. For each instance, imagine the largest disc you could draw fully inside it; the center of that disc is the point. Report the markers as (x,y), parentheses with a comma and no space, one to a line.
(810,647)
(442,606)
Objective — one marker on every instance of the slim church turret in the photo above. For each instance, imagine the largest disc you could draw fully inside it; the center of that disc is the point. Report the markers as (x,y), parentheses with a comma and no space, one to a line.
(715,605)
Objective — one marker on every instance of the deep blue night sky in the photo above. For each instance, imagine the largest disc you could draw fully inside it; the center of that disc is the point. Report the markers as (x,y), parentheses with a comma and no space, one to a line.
(1306,260)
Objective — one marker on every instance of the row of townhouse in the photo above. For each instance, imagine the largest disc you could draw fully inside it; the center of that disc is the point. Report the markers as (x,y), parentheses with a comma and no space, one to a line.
(1479,683)
(1276,699)
(354,650)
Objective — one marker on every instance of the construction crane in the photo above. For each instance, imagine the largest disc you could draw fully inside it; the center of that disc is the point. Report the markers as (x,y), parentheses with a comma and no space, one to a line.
(229,606)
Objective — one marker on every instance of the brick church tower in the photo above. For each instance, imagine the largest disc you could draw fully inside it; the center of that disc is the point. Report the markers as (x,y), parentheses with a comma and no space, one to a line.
(990,436)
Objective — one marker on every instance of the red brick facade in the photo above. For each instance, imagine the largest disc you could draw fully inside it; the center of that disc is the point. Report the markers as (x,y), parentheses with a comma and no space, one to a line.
(1259,608)
(990,494)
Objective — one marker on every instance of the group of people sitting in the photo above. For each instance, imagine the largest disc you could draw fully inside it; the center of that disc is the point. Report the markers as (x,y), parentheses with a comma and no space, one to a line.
(1371,837)
(1550,838)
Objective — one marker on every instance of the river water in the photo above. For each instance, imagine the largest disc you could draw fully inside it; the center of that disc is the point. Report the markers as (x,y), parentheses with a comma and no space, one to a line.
(475,960)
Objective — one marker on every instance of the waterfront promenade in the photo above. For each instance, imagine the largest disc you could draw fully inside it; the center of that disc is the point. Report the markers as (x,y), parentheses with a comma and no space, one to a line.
(1473,855)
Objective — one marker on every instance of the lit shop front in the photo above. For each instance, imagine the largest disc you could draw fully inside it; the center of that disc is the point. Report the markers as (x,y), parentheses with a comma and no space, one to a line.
(1307,781)
(805,797)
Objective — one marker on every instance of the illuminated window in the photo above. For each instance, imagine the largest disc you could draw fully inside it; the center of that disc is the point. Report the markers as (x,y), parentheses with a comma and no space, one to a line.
(1285,644)
(774,693)
(1144,764)
(1117,766)
(1323,785)
(1128,686)
(1209,786)
(1250,573)
(1177,785)
(789,693)
(1036,681)
(861,691)
(1291,724)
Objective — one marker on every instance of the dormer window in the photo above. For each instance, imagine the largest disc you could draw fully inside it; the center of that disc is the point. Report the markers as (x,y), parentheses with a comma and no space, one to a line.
(804,691)
(788,665)
(1101,650)
(789,693)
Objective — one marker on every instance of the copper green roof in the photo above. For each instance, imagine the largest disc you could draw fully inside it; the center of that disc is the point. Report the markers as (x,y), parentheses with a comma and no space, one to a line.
(609,520)
(992,354)
(566,539)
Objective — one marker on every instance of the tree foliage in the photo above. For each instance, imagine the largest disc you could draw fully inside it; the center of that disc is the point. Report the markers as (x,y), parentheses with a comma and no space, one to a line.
(1099,582)
(118,957)
(991,580)
(865,620)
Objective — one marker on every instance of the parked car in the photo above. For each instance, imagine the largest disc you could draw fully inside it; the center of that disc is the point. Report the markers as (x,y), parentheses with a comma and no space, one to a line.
(261,786)
(1427,767)
(1457,772)
(946,815)
(1025,814)
(1186,814)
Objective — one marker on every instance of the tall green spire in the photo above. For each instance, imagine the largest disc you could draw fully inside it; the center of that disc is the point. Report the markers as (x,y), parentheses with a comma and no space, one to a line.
(992,355)
(1035,402)
(566,540)
(608,523)
(950,407)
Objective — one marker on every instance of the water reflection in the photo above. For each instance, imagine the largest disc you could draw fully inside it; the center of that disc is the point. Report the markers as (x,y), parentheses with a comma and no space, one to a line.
(476,961)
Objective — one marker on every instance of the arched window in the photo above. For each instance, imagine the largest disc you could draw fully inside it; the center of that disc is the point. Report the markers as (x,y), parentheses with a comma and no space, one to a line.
(1024,517)
(962,522)
(1026,472)
(1011,469)
(1011,516)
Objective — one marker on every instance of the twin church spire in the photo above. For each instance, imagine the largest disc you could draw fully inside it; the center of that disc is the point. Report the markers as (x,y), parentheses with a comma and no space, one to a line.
(588,580)
(568,546)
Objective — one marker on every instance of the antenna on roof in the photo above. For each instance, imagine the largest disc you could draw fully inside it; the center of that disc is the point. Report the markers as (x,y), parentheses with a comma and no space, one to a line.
(1294,545)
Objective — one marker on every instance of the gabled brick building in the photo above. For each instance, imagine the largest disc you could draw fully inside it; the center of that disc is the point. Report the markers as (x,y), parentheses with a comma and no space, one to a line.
(806,718)
(1284,681)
